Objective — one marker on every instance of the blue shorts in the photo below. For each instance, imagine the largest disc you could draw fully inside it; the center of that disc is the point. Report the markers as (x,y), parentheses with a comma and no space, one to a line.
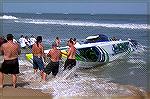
(38,63)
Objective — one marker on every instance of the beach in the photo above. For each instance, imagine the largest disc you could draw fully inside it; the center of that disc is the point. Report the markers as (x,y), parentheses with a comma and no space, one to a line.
(21,93)
(8,92)
(125,78)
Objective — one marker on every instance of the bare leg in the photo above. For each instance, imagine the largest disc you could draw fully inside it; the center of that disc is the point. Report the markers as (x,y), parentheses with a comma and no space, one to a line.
(14,80)
(44,76)
(42,73)
(1,79)
(35,70)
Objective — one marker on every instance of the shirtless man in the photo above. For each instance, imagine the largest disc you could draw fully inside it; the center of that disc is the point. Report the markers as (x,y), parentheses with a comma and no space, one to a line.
(10,65)
(57,41)
(70,62)
(38,54)
(53,66)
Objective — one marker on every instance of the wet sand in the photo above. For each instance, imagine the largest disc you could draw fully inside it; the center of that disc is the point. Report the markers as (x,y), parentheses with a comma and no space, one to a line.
(8,92)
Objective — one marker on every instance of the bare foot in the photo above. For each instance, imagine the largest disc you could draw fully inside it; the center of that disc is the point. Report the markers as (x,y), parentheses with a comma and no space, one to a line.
(1,86)
(14,85)
(43,81)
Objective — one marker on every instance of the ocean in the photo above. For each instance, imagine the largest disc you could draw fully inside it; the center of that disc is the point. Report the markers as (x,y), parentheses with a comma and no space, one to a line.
(133,70)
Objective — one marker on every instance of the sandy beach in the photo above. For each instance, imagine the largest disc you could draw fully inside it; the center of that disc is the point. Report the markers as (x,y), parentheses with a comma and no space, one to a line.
(8,92)
(21,93)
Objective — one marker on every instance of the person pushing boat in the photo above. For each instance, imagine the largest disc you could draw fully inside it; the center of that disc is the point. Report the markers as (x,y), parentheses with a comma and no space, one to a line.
(71,61)
(38,54)
(53,66)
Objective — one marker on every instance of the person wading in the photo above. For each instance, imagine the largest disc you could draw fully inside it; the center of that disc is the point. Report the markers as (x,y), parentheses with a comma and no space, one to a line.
(53,66)
(70,62)
(38,54)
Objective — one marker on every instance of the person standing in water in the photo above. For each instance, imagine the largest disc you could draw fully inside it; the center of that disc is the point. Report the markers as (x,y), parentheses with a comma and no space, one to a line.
(70,62)
(38,54)
(53,66)
(27,41)
(57,41)
(32,41)
(22,42)
(10,65)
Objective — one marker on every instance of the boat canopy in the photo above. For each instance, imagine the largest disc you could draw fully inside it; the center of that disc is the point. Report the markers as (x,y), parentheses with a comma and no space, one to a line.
(96,38)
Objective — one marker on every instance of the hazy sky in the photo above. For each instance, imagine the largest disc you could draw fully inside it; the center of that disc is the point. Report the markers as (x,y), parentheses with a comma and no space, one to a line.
(95,8)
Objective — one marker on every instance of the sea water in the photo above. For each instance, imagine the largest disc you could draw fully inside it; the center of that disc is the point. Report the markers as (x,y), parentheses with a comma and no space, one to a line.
(105,80)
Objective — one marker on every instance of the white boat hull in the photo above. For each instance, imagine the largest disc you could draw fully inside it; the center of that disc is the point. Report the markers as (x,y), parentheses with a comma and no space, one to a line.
(93,54)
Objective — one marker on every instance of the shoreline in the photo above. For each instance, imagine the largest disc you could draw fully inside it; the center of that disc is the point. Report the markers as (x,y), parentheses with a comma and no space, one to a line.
(8,92)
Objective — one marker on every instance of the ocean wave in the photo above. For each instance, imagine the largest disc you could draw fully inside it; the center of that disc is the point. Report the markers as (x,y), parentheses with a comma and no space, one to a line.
(82,23)
(8,17)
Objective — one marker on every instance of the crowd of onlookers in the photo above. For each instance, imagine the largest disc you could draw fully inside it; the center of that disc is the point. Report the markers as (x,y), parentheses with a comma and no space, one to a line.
(24,41)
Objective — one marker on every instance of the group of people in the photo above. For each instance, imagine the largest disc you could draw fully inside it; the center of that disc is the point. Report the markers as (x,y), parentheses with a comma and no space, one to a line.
(11,50)
(55,55)
(26,42)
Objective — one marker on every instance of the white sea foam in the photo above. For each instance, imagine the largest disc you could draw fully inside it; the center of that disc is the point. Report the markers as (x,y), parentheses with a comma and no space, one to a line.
(82,23)
(136,61)
(77,86)
(8,17)
(136,67)
(81,84)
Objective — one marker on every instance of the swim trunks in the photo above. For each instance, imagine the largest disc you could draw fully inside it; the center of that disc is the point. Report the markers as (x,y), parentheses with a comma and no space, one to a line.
(38,63)
(70,63)
(10,66)
(52,67)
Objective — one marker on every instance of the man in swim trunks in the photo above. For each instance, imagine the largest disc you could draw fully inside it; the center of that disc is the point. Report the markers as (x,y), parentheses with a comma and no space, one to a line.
(10,65)
(38,54)
(53,66)
(70,62)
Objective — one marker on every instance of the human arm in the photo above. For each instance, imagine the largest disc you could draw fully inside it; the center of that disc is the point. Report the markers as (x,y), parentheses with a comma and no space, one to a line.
(49,54)
(42,50)
(19,49)
(69,52)
(60,55)
(1,50)
(33,48)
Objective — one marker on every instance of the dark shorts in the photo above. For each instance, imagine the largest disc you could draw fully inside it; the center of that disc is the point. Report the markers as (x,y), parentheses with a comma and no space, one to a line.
(10,66)
(52,67)
(69,63)
(38,63)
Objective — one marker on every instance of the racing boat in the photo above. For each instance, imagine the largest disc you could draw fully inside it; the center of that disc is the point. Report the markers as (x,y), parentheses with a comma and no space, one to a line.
(98,50)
